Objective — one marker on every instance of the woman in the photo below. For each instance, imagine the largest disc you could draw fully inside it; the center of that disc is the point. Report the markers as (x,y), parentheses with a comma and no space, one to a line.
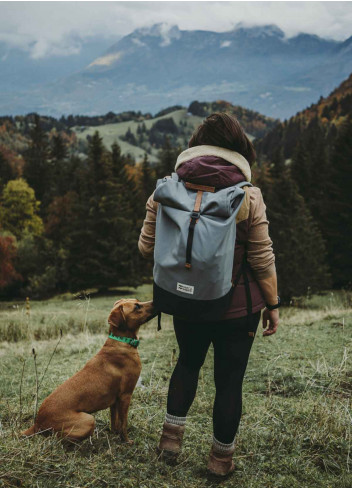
(220,155)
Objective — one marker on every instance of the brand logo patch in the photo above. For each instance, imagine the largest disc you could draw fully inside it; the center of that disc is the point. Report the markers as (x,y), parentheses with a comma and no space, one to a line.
(187,289)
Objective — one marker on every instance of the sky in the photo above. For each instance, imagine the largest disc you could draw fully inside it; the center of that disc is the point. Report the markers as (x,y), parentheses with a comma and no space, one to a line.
(47,28)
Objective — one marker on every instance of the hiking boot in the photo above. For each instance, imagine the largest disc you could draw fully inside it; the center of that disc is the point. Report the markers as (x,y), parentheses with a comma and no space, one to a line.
(220,463)
(171,441)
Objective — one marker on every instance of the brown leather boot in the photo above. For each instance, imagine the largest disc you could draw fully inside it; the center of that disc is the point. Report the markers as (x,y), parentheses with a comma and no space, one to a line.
(171,441)
(220,463)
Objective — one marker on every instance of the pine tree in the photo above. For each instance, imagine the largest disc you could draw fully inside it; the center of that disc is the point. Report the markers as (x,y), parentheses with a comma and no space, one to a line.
(301,168)
(147,179)
(298,244)
(60,168)
(103,241)
(100,169)
(36,169)
(338,197)
(167,159)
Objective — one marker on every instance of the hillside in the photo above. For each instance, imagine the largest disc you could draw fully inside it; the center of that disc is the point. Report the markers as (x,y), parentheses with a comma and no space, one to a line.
(328,112)
(310,155)
(162,65)
(148,134)
(136,133)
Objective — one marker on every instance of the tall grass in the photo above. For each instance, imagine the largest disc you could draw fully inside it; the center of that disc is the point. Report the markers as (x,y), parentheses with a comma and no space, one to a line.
(296,424)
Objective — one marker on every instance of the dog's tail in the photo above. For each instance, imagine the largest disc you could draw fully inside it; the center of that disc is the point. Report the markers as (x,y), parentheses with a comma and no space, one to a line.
(31,431)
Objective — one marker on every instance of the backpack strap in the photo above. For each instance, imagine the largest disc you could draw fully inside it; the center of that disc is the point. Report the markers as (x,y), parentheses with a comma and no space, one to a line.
(248,298)
(194,219)
(204,188)
(242,271)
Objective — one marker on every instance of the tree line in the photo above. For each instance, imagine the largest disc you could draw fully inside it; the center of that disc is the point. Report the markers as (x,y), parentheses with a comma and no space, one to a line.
(72,223)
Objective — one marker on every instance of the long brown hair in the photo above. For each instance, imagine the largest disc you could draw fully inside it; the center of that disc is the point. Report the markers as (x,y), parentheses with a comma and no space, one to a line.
(223,130)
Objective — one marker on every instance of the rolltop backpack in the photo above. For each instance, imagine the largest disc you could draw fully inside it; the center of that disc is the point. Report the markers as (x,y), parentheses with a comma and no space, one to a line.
(194,248)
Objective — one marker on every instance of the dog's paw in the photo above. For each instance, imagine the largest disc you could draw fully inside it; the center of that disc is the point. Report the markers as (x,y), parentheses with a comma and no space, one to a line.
(128,442)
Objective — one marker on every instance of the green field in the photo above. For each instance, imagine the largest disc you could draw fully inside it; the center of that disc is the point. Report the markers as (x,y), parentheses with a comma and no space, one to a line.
(111,133)
(296,425)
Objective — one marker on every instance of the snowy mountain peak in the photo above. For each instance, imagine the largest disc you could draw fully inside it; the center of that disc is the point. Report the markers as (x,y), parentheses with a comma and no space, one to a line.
(167,32)
(269,30)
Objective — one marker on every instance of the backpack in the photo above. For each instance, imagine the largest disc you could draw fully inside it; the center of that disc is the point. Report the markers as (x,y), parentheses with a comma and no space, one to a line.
(194,248)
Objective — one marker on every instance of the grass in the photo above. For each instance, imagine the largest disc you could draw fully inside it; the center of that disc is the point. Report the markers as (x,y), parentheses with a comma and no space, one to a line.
(112,132)
(296,424)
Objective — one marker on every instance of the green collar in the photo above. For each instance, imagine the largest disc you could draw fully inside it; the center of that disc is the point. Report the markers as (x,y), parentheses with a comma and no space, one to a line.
(125,339)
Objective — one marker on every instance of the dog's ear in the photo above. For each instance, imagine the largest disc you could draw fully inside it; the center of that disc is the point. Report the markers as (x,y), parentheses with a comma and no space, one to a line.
(117,319)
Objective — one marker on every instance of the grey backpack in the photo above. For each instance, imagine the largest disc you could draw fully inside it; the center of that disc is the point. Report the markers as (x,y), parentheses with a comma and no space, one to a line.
(194,248)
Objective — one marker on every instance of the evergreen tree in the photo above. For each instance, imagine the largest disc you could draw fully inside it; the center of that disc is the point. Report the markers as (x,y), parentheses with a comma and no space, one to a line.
(60,171)
(103,241)
(301,169)
(298,244)
(99,168)
(58,151)
(36,170)
(147,179)
(338,197)
(167,159)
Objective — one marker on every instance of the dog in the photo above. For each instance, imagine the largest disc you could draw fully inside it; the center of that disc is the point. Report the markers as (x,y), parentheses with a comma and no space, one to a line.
(107,380)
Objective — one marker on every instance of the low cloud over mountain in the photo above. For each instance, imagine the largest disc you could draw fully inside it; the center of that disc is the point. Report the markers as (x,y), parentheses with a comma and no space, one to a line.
(153,67)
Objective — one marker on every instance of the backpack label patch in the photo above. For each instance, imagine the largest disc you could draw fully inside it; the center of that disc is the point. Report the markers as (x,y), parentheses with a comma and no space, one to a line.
(187,289)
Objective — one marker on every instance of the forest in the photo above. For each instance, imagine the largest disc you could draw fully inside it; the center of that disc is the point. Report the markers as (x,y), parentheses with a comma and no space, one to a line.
(70,221)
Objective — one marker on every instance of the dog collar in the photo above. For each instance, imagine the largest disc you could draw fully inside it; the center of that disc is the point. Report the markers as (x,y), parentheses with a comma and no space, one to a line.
(125,339)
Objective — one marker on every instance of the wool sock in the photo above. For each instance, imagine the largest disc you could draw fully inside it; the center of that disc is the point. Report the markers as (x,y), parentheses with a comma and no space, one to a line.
(175,419)
(223,447)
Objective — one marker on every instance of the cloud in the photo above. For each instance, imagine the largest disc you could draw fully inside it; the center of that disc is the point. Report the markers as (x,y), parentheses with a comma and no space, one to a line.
(59,28)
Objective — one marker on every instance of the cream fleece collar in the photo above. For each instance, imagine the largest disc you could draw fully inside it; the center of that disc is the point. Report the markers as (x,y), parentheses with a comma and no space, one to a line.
(207,150)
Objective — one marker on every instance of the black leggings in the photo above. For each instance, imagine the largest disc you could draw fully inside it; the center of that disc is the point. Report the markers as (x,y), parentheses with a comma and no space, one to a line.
(232,346)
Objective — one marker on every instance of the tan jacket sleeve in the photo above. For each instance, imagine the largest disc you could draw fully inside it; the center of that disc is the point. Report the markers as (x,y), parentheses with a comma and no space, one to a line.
(259,246)
(147,236)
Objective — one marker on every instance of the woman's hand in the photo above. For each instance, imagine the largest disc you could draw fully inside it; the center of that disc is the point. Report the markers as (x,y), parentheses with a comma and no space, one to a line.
(273,318)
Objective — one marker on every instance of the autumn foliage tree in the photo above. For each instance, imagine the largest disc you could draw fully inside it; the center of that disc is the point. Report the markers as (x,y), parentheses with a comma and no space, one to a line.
(19,209)
(8,274)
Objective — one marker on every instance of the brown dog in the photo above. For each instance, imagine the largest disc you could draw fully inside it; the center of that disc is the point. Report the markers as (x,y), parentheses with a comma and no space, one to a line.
(107,380)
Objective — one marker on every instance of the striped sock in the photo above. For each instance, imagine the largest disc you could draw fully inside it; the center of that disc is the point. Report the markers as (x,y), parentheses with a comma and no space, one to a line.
(223,447)
(175,419)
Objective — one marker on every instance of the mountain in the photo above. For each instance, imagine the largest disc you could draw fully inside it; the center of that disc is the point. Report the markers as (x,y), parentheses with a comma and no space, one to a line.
(153,67)
(21,71)
(328,114)
(312,153)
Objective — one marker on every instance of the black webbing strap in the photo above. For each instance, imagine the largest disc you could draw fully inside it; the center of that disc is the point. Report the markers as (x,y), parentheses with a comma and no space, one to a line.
(194,219)
(249,300)
(238,276)
(242,270)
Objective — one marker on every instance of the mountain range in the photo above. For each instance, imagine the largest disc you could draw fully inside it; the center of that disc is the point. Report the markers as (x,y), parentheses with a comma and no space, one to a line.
(158,66)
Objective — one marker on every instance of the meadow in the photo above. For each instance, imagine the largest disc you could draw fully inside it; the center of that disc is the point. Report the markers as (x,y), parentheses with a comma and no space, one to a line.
(296,424)
(112,132)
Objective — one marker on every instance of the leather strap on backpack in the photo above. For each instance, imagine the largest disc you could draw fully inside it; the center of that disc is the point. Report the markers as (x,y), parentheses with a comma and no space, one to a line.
(195,186)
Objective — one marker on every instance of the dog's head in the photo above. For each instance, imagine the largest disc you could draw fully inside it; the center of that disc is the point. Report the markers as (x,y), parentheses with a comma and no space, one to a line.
(128,315)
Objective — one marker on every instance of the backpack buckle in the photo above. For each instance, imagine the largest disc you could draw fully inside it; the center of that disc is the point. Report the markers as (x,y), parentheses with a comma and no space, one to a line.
(195,215)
